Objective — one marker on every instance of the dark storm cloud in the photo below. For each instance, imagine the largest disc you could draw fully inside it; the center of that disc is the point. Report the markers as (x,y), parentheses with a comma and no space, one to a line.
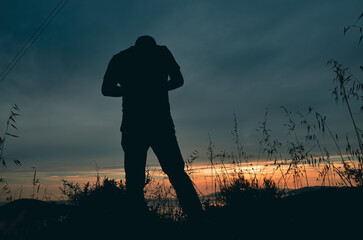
(236,56)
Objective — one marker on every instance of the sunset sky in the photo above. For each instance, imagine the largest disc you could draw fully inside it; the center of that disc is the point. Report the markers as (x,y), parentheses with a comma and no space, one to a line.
(237,57)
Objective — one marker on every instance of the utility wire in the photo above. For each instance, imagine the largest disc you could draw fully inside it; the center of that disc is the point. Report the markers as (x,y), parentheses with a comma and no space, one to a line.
(28,42)
(32,39)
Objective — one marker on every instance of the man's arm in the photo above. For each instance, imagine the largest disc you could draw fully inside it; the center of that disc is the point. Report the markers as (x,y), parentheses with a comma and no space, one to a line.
(176,80)
(110,85)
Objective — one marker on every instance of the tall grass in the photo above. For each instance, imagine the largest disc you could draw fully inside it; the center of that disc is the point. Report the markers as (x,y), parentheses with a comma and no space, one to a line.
(9,127)
(8,133)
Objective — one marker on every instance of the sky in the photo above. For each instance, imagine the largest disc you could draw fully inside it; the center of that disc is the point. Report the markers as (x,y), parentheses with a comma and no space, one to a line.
(237,58)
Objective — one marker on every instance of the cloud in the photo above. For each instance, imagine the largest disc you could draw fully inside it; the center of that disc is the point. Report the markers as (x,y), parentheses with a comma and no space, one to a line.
(238,57)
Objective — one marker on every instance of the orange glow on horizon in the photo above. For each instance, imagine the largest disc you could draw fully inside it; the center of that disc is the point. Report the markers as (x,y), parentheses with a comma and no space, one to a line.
(207,178)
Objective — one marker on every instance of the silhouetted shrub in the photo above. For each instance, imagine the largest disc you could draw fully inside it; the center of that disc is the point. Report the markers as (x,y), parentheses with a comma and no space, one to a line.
(108,191)
(241,190)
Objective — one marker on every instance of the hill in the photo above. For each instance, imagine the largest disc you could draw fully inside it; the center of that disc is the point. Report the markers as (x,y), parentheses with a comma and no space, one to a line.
(317,212)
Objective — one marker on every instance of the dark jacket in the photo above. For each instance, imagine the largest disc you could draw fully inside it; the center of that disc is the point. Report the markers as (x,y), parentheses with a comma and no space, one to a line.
(141,77)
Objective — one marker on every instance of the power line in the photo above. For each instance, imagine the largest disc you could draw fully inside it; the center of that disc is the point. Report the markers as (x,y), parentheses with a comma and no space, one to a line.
(33,38)
(27,43)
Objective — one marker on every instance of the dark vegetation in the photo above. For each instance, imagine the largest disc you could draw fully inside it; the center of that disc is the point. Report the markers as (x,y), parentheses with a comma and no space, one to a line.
(101,212)
(10,125)
(243,204)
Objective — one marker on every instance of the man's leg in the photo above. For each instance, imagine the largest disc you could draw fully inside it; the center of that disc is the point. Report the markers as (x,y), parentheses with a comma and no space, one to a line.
(135,150)
(165,147)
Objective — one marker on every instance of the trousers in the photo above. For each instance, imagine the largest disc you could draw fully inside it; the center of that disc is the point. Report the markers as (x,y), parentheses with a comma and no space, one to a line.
(165,146)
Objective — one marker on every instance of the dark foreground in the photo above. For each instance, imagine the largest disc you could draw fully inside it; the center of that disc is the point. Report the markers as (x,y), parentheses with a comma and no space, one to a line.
(328,213)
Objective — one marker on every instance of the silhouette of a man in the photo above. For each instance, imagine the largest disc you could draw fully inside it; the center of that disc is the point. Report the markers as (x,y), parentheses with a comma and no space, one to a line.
(140,75)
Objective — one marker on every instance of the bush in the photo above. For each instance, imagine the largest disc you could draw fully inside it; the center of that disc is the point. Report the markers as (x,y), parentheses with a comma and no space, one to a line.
(241,190)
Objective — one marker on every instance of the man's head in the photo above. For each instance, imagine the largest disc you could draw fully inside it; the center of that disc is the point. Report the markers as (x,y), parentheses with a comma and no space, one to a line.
(145,42)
